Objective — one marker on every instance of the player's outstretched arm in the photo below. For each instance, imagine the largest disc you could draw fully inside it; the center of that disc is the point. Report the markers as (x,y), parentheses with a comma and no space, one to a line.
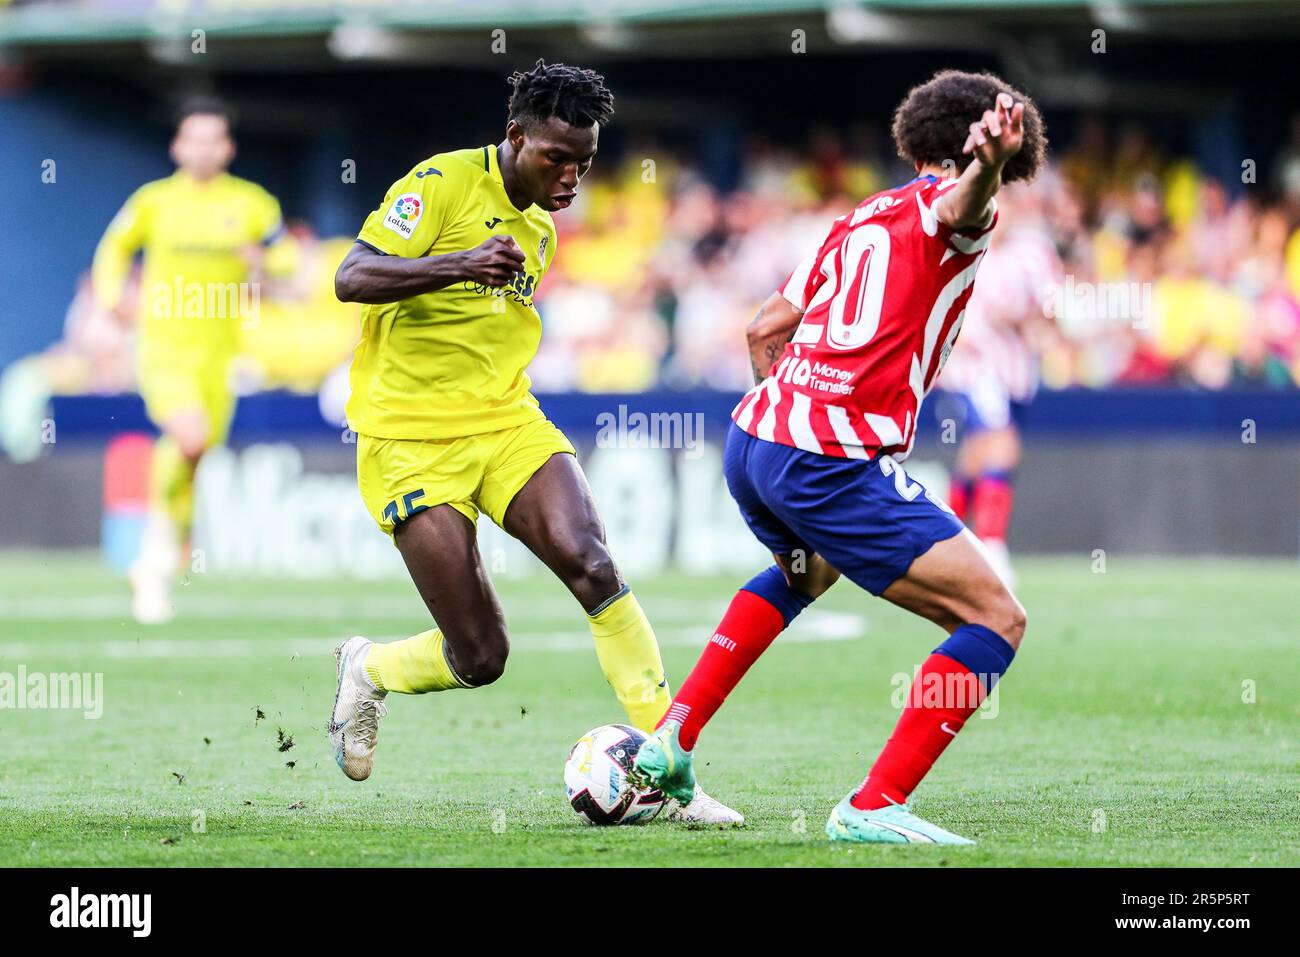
(993,140)
(769,331)
(371,277)
(116,251)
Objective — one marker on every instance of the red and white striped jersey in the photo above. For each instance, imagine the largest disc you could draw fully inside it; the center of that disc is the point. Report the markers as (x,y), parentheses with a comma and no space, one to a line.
(1016,278)
(882,302)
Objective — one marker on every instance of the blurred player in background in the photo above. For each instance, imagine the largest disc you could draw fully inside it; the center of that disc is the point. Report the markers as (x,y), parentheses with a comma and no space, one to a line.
(447,427)
(992,378)
(844,355)
(202,232)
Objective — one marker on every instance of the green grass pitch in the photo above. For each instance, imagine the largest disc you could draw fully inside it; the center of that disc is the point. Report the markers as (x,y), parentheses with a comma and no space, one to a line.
(1151,719)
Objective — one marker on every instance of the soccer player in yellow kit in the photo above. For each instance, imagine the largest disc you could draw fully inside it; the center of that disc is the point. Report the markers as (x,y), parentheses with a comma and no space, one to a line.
(448,266)
(201,231)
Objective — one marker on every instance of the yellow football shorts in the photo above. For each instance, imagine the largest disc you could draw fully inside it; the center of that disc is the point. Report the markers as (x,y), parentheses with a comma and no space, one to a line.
(400,477)
(185,384)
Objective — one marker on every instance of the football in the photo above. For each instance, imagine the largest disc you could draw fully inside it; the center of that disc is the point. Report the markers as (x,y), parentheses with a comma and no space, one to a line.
(596,778)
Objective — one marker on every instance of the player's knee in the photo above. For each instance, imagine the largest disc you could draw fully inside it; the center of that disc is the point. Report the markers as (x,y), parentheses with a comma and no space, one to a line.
(192,449)
(591,571)
(191,440)
(1007,617)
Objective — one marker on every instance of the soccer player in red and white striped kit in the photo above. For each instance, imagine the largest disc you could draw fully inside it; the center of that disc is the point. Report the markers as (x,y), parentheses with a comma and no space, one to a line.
(843,355)
(991,381)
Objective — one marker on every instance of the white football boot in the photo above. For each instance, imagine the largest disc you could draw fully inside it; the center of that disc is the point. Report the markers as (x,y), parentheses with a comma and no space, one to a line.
(151,602)
(152,572)
(358,706)
(703,810)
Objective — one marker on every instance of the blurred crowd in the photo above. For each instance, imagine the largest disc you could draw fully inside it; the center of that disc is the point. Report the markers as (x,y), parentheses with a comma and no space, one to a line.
(1165,275)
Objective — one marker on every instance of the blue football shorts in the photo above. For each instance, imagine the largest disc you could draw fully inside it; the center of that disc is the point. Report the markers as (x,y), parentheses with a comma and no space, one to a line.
(869,519)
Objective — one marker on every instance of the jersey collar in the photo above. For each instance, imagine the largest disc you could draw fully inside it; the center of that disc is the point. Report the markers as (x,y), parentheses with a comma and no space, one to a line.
(491,163)
(186,179)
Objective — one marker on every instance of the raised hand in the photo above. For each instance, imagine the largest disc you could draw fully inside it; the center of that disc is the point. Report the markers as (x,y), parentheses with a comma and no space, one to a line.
(999,133)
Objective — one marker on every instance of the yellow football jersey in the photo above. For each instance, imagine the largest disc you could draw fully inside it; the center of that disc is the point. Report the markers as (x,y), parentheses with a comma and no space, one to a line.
(195,290)
(451,362)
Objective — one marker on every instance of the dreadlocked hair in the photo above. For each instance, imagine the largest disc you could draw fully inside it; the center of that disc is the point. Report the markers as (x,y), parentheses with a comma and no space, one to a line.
(576,96)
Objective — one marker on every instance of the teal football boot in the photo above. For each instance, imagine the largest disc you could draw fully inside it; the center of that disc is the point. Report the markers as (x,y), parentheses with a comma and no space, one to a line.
(895,824)
(663,763)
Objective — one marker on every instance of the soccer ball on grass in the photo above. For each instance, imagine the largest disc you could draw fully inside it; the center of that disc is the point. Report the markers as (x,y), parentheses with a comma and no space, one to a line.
(597,781)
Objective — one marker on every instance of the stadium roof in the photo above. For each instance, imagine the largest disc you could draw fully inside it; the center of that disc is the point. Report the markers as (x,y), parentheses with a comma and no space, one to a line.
(613,24)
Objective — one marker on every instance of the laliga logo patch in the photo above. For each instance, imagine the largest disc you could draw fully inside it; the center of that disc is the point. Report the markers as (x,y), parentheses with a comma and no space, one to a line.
(404,215)
(541,248)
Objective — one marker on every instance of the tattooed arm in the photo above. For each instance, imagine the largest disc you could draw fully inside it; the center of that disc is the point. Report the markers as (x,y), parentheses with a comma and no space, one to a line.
(768,333)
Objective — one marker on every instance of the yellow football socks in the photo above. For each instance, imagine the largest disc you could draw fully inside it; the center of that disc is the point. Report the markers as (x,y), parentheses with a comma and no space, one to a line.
(414,665)
(629,656)
(625,646)
(171,486)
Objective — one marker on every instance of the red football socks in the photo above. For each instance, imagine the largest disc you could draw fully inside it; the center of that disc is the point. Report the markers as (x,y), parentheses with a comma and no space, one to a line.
(959,496)
(750,625)
(944,694)
(990,506)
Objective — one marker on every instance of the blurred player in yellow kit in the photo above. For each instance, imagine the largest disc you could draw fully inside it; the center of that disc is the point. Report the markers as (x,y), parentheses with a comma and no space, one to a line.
(448,266)
(202,232)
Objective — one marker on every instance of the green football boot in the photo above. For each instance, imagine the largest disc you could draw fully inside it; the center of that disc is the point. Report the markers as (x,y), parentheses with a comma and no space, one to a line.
(663,763)
(895,824)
